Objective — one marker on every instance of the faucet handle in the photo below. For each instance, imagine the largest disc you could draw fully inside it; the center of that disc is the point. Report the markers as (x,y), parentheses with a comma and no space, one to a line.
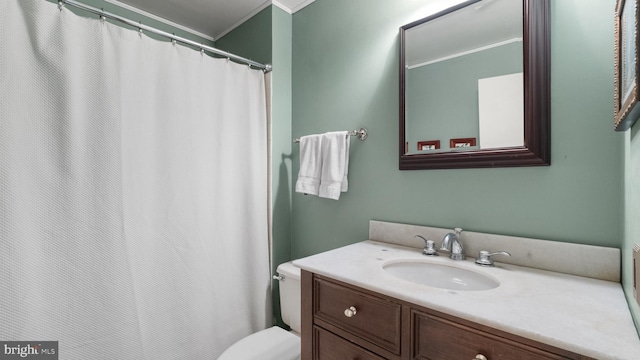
(429,247)
(484,258)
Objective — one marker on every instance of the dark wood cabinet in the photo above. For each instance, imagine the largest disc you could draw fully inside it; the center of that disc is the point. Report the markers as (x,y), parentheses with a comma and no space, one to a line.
(370,318)
(332,347)
(341,321)
(436,338)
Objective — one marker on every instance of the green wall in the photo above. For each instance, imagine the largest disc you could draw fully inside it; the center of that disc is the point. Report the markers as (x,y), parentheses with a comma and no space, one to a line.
(345,75)
(281,135)
(281,142)
(252,39)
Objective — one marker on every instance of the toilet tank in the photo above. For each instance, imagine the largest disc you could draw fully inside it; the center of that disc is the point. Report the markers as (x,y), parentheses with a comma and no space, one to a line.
(290,295)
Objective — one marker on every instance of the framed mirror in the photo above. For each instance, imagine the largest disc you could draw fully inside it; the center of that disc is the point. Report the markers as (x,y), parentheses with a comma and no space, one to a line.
(475,87)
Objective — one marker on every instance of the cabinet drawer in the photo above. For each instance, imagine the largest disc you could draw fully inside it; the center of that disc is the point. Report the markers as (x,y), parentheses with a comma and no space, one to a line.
(332,347)
(440,339)
(377,320)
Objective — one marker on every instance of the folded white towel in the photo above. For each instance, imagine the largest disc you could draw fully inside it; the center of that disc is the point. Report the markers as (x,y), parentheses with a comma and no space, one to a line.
(335,164)
(310,165)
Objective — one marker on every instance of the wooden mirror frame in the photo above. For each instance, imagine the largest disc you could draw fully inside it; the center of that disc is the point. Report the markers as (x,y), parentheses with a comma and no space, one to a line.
(537,100)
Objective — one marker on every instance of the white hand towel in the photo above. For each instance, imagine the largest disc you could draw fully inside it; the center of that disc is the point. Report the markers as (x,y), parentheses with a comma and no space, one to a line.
(310,165)
(335,163)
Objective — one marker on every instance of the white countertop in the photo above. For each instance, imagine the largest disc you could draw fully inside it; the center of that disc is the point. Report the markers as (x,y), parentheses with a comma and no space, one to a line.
(583,315)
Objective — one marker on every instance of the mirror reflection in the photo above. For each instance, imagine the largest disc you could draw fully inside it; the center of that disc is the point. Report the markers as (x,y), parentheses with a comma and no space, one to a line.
(464,86)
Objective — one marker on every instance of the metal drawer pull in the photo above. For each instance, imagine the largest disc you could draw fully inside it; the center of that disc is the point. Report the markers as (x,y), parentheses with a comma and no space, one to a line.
(480,357)
(350,312)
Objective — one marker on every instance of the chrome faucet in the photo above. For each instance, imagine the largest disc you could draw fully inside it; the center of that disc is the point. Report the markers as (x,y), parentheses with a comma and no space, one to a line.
(453,244)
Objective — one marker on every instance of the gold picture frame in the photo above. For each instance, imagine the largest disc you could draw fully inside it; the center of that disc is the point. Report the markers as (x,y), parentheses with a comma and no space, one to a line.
(626,95)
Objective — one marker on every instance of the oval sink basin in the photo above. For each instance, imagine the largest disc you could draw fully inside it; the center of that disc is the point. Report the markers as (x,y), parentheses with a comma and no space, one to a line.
(440,276)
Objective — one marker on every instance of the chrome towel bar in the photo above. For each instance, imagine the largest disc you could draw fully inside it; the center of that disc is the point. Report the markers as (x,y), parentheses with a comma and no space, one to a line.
(361,133)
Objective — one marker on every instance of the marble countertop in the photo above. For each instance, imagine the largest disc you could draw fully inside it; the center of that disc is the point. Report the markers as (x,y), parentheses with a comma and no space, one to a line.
(579,314)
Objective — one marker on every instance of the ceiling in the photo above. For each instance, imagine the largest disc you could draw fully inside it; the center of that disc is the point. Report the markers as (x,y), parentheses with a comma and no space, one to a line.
(208,18)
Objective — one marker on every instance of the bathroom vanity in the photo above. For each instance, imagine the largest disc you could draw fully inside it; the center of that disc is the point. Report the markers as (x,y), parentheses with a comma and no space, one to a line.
(354,308)
(378,331)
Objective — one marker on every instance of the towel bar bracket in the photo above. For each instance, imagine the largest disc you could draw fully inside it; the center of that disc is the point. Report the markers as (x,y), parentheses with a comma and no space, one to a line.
(362,133)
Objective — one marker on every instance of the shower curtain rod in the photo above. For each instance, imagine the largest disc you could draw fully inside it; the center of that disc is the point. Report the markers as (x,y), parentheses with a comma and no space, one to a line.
(103,14)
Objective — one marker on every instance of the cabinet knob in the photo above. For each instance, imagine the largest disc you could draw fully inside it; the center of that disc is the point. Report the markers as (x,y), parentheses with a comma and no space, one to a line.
(351,311)
(480,357)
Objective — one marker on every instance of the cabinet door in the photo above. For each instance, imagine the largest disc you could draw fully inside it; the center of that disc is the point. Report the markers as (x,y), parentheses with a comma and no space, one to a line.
(331,347)
(435,338)
(370,318)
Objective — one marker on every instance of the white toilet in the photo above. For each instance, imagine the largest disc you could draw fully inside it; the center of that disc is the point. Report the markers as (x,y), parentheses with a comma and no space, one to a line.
(275,343)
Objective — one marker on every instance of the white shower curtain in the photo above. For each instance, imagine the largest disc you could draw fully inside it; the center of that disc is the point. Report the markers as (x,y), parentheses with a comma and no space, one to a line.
(133,191)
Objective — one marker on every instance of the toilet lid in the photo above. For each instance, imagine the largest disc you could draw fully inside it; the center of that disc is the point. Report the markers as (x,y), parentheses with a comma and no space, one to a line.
(274,343)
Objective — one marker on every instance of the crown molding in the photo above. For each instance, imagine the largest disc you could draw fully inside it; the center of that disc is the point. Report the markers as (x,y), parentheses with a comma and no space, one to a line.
(292,6)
